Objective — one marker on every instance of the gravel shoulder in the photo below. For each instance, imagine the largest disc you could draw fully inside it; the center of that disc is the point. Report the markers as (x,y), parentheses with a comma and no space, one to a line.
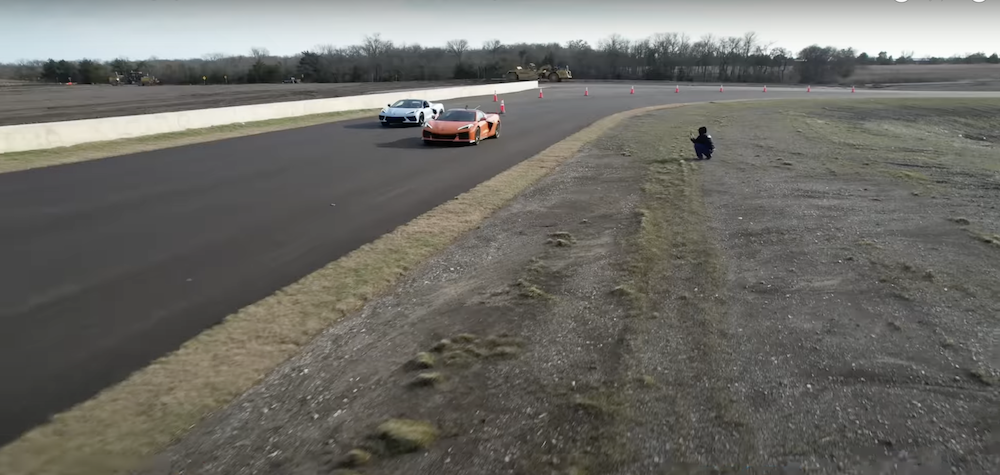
(822,294)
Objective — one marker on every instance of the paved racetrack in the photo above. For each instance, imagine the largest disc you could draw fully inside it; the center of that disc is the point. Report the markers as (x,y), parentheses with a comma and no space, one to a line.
(111,263)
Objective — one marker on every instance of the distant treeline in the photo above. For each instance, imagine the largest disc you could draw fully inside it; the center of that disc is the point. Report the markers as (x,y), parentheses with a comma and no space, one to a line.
(666,56)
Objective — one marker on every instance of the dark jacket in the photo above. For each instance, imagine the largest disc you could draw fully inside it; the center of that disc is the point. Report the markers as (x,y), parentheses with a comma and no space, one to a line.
(705,140)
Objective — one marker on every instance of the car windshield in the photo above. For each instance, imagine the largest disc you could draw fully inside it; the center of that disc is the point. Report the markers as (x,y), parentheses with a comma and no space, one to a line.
(409,104)
(459,116)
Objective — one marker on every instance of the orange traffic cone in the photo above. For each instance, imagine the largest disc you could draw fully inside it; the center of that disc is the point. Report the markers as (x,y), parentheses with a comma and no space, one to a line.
(809,88)
(502,108)
(720,87)
(765,88)
(540,94)
(494,96)
(632,91)
(852,89)
(677,89)
(586,91)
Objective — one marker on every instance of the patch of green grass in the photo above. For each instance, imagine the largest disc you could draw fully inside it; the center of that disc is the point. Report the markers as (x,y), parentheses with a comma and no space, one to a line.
(624,290)
(983,376)
(357,458)
(17,161)
(428,378)
(465,338)
(529,290)
(561,239)
(423,360)
(407,435)
(467,349)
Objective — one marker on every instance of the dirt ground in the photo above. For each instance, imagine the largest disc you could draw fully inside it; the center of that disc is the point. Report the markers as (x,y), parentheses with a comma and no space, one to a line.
(821,295)
(25,104)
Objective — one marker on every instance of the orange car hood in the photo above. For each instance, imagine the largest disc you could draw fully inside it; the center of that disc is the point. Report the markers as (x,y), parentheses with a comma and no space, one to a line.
(447,127)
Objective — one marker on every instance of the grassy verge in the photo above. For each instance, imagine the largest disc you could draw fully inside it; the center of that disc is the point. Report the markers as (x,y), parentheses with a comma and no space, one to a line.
(905,138)
(16,161)
(678,272)
(116,430)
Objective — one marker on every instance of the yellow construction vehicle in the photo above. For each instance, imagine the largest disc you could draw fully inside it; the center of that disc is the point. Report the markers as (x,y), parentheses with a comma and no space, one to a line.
(133,78)
(546,72)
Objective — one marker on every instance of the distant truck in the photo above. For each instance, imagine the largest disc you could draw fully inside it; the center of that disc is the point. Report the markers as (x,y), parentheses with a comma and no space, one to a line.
(532,73)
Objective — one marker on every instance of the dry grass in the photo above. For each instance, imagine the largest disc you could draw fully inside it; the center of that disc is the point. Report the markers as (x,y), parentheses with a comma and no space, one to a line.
(16,161)
(357,458)
(423,360)
(126,423)
(905,73)
(429,378)
(674,250)
(405,435)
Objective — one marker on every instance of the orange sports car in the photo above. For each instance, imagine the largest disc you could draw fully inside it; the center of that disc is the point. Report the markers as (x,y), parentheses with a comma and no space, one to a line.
(462,126)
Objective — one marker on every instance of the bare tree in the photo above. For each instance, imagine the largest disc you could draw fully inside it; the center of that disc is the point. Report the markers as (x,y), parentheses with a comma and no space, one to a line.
(259,53)
(493,47)
(615,47)
(375,48)
(457,48)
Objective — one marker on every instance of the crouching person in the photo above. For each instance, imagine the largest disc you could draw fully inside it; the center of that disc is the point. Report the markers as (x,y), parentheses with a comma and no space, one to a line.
(703,146)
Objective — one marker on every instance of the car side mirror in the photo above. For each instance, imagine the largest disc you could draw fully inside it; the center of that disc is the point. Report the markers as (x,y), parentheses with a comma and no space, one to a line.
(388,105)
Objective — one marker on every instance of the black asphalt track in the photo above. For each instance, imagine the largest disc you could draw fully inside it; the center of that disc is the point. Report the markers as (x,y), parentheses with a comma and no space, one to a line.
(106,265)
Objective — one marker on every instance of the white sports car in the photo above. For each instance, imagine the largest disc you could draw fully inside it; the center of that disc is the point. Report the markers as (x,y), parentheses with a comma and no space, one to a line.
(410,111)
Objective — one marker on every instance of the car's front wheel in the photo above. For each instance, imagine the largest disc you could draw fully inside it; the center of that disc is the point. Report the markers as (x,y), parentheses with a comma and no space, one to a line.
(478,136)
(421,118)
(496,134)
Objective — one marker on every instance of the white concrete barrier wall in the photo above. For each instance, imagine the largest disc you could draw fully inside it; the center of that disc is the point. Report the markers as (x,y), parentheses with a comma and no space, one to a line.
(18,138)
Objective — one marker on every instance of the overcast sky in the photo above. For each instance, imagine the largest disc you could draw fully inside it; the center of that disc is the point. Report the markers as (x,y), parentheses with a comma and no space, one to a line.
(139,29)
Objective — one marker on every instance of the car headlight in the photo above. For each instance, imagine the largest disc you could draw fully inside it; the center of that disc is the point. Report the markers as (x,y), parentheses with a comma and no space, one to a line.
(465,127)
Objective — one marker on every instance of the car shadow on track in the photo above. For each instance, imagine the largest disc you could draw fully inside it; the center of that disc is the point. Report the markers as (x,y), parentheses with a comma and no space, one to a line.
(408,142)
(375,125)
(417,142)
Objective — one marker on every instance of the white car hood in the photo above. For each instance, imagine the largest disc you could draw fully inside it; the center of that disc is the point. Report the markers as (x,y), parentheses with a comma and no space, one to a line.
(399,111)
